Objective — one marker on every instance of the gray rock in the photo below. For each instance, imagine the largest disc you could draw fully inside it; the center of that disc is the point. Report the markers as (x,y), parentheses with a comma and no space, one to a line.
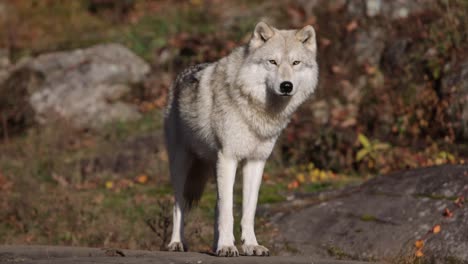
(395,54)
(373,7)
(369,45)
(403,8)
(384,217)
(84,86)
(455,90)
(356,8)
(80,255)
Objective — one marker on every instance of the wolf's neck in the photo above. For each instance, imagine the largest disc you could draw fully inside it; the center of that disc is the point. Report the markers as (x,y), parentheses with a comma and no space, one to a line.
(264,120)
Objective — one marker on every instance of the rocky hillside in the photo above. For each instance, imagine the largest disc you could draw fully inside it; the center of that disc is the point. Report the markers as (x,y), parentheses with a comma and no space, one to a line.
(392,72)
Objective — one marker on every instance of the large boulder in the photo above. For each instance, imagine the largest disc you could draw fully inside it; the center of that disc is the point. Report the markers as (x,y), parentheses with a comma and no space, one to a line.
(383,218)
(83,87)
(455,90)
(369,45)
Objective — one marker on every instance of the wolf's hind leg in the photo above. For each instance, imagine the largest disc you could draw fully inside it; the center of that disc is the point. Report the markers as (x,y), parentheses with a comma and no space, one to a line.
(180,162)
(252,178)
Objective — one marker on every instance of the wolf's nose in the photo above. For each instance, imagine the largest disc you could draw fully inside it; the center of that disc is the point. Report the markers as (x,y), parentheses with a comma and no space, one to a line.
(286,87)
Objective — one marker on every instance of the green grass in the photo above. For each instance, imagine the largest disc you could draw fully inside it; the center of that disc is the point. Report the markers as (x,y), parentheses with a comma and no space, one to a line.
(272,193)
(368,218)
(152,32)
(120,130)
(69,25)
(80,210)
(317,187)
(338,253)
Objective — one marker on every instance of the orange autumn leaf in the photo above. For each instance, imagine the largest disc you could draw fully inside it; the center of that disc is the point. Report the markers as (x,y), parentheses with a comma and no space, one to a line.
(419,244)
(325,42)
(352,26)
(142,179)
(293,185)
(459,201)
(436,229)
(419,253)
(336,69)
(370,70)
(448,213)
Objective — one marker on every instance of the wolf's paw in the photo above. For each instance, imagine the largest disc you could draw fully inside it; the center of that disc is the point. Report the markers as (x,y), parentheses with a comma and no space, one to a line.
(255,250)
(176,246)
(227,251)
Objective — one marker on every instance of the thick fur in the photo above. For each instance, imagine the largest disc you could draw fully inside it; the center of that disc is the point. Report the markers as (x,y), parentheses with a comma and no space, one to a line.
(196,179)
(231,112)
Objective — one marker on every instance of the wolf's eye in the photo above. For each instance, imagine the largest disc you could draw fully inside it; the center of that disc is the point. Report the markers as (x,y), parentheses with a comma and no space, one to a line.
(273,62)
(296,62)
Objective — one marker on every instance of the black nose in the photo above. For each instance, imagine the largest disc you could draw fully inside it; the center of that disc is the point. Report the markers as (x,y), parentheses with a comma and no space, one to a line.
(286,87)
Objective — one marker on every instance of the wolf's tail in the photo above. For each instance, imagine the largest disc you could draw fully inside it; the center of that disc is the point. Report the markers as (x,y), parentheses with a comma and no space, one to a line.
(197,177)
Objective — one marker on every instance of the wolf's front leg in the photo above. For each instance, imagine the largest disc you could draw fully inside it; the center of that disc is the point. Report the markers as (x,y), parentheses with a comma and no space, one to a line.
(225,176)
(252,178)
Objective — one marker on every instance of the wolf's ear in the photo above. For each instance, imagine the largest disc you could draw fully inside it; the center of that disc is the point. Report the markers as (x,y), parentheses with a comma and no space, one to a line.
(261,34)
(307,37)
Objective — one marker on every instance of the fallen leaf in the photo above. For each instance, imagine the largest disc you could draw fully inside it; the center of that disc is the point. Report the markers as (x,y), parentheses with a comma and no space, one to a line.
(459,201)
(325,42)
(370,70)
(336,69)
(351,26)
(436,229)
(301,178)
(109,185)
(419,253)
(448,213)
(60,180)
(323,176)
(419,244)
(293,185)
(142,179)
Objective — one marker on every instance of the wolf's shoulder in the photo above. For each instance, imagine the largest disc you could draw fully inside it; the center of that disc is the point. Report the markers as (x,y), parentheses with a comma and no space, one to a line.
(191,75)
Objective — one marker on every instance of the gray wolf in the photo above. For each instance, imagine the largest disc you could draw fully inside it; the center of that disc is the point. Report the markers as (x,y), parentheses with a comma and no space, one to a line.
(229,113)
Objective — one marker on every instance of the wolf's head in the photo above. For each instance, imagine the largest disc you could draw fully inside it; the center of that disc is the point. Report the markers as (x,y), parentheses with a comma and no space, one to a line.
(280,63)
